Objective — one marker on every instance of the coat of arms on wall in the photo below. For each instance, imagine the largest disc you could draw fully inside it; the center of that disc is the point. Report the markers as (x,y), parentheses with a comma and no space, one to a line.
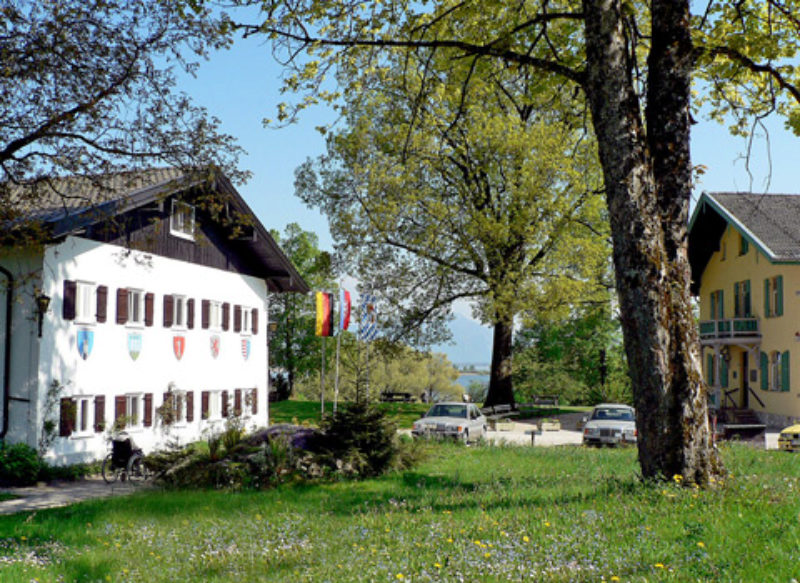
(85,342)
(134,345)
(179,346)
(246,348)
(215,341)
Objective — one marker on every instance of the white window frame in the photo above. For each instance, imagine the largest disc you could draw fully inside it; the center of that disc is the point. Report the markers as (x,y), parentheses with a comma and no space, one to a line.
(134,410)
(135,307)
(180,311)
(775,370)
(84,416)
(181,220)
(215,315)
(85,302)
(215,405)
(246,321)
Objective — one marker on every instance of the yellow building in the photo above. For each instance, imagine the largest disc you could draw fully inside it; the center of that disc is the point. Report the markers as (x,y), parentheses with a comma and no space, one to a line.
(744,251)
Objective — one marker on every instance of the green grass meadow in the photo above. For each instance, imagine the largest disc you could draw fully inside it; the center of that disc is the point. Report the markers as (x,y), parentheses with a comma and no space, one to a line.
(464,514)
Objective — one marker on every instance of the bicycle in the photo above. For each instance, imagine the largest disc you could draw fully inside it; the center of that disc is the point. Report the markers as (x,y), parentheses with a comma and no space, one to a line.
(125,462)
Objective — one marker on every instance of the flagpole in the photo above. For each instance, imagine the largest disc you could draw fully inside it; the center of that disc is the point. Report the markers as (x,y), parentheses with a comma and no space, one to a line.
(322,381)
(336,378)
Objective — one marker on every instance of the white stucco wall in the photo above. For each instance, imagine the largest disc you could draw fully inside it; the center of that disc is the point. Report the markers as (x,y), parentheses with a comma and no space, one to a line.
(110,370)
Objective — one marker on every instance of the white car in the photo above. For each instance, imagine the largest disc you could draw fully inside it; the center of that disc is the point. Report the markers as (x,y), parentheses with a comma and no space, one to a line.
(462,421)
(610,424)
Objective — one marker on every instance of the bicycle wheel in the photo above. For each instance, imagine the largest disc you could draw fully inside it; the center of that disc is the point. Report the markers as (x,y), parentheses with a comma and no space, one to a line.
(137,471)
(110,473)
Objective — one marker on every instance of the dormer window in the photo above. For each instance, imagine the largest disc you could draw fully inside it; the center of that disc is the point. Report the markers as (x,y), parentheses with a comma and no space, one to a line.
(181,220)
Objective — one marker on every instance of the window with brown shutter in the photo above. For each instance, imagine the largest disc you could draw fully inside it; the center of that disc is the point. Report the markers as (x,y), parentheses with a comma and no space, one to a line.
(205,314)
(169,302)
(102,303)
(99,413)
(149,305)
(122,305)
(237,402)
(237,318)
(224,403)
(204,404)
(254,321)
(68,417)
(190,314)
(226,316)
(68,305)
(254,401)
(119,411)
(148,409)
(189,406)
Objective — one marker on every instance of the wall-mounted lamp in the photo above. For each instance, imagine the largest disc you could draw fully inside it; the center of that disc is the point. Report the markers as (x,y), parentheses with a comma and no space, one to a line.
(42,303)
(725,352)
(272,327)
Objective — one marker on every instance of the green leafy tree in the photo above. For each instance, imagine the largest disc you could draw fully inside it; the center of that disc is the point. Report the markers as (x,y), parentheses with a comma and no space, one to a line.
(293,347)
(87,88)
(468,195)
(631,65)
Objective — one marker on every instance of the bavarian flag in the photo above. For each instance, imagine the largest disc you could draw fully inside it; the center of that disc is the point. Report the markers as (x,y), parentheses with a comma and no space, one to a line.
(344,309)
(324,314)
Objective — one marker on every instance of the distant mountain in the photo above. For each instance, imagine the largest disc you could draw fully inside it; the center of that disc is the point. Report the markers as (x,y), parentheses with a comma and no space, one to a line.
(472,343)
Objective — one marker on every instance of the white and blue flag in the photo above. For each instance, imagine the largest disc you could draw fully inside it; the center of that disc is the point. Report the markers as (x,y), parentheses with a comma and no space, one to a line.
(368,324)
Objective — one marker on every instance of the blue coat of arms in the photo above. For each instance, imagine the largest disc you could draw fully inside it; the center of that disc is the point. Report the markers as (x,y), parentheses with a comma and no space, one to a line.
(85,342)
(134,345)
(246,348)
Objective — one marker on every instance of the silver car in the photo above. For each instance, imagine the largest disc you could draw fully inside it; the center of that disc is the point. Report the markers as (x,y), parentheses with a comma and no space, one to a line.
(462,421)
(610,424)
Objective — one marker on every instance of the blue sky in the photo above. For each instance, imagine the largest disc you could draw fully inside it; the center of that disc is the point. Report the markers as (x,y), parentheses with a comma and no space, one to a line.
(241,87)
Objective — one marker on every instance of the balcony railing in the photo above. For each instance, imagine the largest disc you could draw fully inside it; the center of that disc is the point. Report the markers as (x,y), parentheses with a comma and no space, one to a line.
(729,328)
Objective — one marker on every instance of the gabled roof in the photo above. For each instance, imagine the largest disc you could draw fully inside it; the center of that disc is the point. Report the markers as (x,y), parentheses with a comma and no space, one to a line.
(69,205)
(770,222)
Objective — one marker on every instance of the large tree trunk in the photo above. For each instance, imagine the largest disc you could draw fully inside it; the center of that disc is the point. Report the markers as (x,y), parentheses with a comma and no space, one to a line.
(647,189)
(500,388)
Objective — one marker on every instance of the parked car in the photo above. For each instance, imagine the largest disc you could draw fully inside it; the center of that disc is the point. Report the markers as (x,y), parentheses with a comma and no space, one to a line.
(610,424)
(462,421)
(789,438)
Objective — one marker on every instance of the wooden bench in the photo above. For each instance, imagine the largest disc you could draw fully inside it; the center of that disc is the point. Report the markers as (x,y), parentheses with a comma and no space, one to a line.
(397,397)
(499,412)
(548,400)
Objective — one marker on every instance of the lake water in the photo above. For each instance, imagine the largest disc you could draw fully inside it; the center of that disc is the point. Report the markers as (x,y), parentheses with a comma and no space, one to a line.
(465,379)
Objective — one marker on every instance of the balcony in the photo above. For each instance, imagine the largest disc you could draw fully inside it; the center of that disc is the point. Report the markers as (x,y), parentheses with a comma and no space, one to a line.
(729,331)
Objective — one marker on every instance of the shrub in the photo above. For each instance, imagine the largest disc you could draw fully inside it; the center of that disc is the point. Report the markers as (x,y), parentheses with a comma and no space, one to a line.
(19,465)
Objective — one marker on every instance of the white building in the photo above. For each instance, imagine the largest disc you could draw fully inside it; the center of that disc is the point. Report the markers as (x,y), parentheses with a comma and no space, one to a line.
(147,306)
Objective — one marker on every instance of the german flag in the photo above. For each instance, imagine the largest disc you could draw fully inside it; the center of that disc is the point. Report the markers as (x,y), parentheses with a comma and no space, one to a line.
(324,314)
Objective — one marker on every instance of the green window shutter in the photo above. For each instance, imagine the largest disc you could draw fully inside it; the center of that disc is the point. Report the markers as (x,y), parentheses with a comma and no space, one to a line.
(710,369)
(721,306)
(724,373)
(785,371)
(736,300)
(779,306)
(766,298)
(764,371)
(747,310)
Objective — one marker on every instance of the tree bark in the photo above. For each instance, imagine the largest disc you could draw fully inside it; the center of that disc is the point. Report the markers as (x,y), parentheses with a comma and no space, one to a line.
(647,189)
(500,389)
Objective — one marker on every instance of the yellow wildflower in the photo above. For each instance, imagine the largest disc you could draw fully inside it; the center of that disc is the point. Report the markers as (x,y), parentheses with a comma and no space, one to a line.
(701,544)
(659,565)
(525,539)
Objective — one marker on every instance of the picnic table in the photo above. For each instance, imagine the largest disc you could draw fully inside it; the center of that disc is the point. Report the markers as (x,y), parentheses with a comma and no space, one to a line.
(397,397)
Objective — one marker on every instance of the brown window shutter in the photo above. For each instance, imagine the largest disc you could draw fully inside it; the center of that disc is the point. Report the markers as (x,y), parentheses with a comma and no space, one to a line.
(69,416)
(205,314)
(226,316)
(224,403)
(122,305)
(149,305)
(119,409)
(254,401)
(189,406)
(148,410)
(99,413)
(254,320)
(237,402)
(237,318)
(190,314)
(102,303)
(204,399)
(68,306)
(169,303)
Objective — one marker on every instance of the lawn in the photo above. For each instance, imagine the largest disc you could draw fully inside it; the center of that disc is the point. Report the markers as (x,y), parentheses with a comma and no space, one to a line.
(465,514)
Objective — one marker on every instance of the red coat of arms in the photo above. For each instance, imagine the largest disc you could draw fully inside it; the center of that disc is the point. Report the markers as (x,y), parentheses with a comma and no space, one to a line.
(179,346)
(215,341)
